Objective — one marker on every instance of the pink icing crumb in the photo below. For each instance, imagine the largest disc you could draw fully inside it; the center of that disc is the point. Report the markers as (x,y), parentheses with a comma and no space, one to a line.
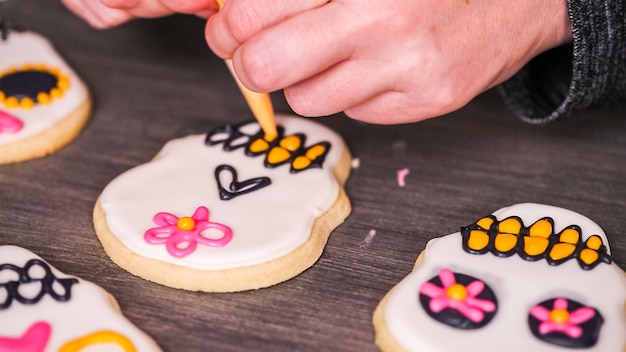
(402,173)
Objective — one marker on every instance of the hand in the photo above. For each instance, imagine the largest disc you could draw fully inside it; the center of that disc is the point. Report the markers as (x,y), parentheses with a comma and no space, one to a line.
(384,62)
(109,13)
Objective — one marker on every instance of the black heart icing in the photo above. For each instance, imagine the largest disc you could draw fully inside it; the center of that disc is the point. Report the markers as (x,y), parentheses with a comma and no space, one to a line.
(237,188)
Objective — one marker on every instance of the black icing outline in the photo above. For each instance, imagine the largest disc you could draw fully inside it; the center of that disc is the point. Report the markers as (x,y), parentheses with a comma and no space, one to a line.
(236,187)
(591,328)
(234,139)
(4,29)
(47,284)
(553,239)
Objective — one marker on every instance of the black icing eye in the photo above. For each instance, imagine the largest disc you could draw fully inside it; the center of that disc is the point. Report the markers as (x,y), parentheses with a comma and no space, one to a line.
(564,322)
(31,84)
(458,300)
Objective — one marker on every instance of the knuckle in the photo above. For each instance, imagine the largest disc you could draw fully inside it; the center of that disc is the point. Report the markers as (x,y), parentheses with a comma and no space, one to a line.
(242,22)
(300,103)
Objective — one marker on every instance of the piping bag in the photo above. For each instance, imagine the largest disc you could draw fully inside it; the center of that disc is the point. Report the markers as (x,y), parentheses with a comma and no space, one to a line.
(259,103)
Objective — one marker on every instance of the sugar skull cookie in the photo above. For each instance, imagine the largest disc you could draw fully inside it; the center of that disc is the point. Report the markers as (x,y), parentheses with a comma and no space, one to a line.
(43,102)
(42,309)
(530,277)
(228,210)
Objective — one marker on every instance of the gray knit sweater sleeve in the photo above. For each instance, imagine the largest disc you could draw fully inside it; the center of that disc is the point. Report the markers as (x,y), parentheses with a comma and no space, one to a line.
(589,72)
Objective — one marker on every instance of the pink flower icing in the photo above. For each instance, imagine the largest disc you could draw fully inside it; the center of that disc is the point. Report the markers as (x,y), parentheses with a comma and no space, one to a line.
(570,325)
(469,306)
(182,235)
(9,123)
(34,339)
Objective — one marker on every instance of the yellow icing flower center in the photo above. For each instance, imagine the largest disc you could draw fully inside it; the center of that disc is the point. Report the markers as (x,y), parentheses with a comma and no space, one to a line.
(457,292)
(186,223)
(559,316)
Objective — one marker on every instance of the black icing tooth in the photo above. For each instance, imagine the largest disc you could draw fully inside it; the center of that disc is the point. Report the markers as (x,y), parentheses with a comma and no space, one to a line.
(47,284)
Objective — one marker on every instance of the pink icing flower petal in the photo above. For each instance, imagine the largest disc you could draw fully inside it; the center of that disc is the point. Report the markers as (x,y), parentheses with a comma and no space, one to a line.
(581,315)
(219,242)
(540,312)
(34,339)
(482,304)
(431,290)
(572,331)
(475,288)
(447,277)
(159,235)
(560,303)
(10,123)
(438,304)
(165,219)
(474,314)
(201,214)
(181,244)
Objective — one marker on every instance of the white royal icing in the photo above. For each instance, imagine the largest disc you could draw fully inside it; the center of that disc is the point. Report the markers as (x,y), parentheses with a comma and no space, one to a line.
(89,310)
(30,48)
(518,285)
(266,224)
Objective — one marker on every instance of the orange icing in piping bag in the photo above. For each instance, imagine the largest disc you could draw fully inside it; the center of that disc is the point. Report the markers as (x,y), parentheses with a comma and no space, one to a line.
(259,103)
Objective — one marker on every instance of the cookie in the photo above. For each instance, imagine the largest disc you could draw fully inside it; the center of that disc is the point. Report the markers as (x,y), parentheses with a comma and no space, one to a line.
(228,210)
(43,103)
(42,309)
(530,277)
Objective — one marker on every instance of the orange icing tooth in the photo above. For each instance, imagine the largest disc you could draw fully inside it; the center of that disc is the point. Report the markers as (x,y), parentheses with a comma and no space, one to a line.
(258,146)
(278,155)
(301,163)
(478,240)
(291,143)
(510,225)
(315,152)
(505,242)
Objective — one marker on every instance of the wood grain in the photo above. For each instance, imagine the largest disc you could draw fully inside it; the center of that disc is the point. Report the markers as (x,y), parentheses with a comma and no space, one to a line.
(153,80)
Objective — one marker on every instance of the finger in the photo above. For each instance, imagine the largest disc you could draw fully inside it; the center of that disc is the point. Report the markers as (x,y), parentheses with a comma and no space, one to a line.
(139,8)
(240,20)
(386,108)
(395,107)
(96,14)
(347,84)
(157,8)
(295,50)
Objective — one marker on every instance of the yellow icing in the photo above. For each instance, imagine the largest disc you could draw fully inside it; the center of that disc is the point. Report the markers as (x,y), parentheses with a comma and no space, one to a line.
(186,223)
(561,250)
(485,222)
(291,143)
(27,103)
(457,292)
(510,225)
(301,162)
(594,242)
(11,102)
(569,236)
(535,245)
(478,240)
(588,256)
(315,151)
(542,228)
(559,316)
(43,98)
(100,337)
(278,155)
(505,242)
(258,146)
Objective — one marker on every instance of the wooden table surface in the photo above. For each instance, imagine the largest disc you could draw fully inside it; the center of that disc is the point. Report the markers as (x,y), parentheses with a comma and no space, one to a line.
(154,80)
